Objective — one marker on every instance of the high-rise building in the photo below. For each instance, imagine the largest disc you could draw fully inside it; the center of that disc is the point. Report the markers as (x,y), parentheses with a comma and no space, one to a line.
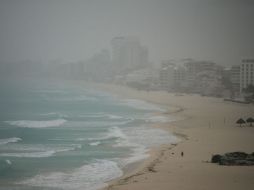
(167,76)
(246,73)
(128,54)
(235,77)
(195,67)
(203,77)
(171,76)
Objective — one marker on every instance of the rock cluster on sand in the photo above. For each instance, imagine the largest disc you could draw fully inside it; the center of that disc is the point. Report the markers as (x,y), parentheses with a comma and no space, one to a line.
(234,159)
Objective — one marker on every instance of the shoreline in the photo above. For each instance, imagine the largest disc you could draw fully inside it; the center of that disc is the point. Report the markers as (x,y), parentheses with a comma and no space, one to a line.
(146,165)
(202,136)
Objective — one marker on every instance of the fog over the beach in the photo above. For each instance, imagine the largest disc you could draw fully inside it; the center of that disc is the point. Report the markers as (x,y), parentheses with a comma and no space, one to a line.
(69,31)
(151,94)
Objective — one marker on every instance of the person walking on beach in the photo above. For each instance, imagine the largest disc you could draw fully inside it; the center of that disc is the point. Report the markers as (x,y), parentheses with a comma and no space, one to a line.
(182,154)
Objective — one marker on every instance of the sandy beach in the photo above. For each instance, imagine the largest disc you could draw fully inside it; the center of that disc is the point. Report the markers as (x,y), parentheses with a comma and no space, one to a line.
(206,127)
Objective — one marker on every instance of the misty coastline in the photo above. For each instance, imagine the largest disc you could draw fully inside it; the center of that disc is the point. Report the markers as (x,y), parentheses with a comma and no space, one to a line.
(132,94)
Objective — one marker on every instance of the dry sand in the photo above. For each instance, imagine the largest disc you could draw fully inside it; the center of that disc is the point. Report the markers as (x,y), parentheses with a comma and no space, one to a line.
(207,127)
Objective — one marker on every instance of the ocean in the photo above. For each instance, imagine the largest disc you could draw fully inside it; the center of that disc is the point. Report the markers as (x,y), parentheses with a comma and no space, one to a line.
(56,135)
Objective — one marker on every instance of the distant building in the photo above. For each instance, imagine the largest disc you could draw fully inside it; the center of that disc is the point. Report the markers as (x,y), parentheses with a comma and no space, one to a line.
(179,77)
(99,67)
(235,78)
(167,77)
(209,83)
(171,76)
(246,73)
(142,79)
(195,67)
(128,54)
(203,77)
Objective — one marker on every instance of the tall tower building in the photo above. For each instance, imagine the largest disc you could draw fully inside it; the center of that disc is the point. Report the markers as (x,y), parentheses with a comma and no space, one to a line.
(128,54)
(246,73)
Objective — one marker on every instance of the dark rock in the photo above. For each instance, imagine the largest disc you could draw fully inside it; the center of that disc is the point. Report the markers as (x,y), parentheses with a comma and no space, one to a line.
(234,159)
(250,157)
(236,155)
(216,158)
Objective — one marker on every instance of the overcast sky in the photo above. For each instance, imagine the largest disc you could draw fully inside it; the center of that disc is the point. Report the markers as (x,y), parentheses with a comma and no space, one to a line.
(42,30)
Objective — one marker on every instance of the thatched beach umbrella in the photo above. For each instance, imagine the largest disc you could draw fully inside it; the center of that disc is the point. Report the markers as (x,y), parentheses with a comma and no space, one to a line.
(240,121)
(250,120)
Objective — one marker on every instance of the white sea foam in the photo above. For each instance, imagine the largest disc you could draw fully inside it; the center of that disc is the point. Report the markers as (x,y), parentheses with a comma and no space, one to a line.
(101,115)
(116,132)
(8,162)
(139,139)
(141,135)
(95,143)
(106,123)
(29,154)
(122,139)
(113,132)
(79,139)
(149,136)
(139,151)
(37,151)
(37,124)
(89,177)
(114,116)
(157,119)
(9,140)
(142,105)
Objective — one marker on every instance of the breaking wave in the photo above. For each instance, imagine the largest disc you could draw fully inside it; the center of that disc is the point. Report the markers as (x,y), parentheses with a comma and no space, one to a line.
(9,140)
(37,151)
(89,177)
(37,124)
(95,143)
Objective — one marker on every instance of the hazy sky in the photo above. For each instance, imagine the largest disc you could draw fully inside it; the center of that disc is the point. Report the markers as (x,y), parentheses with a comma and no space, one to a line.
(41,30)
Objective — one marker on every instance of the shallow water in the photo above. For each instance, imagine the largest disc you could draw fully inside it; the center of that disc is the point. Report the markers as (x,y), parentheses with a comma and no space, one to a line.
(61,136)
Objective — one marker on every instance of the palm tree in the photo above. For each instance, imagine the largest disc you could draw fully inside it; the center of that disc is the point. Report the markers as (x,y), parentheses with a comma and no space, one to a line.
(240,121)
(250,120)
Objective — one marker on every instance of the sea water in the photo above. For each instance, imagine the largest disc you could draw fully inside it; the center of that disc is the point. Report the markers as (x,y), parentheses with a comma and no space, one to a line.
(63,136)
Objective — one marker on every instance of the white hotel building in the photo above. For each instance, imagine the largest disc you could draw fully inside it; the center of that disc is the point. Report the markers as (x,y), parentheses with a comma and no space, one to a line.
(246,73)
